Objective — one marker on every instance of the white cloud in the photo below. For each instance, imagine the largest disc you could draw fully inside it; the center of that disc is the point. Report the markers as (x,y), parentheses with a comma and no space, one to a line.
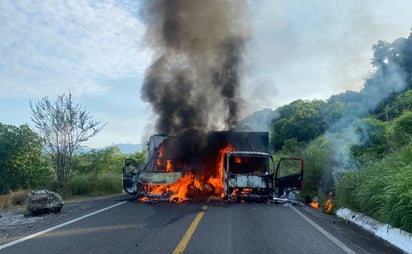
(48,47)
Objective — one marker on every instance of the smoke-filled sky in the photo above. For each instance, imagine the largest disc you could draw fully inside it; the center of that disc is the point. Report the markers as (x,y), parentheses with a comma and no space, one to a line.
(193,82)
(96,50)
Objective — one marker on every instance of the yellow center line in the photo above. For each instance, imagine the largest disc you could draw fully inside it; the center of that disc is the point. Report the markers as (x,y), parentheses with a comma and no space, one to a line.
(189,232)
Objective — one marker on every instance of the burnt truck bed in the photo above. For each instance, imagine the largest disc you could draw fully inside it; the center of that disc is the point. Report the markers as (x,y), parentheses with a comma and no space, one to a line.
(196,152)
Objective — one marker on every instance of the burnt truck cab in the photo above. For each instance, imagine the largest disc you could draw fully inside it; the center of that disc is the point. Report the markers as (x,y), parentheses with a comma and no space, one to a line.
(248,175)
(252,176)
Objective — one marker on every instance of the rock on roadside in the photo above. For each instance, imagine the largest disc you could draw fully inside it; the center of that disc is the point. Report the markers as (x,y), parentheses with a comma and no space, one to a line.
(44,201)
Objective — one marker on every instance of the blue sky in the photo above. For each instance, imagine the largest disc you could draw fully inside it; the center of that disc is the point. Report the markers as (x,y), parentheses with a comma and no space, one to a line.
(94,49)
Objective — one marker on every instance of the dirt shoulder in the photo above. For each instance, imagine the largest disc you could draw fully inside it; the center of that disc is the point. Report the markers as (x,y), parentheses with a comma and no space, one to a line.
(15,223)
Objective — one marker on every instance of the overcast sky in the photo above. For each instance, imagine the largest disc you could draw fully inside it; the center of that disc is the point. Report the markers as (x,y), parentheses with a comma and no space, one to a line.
(307,49)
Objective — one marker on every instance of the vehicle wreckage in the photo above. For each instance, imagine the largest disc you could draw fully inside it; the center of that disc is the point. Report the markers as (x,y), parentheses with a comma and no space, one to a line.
(229,165)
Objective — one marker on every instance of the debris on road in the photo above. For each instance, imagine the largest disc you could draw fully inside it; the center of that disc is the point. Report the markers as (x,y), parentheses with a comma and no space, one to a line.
(44,201)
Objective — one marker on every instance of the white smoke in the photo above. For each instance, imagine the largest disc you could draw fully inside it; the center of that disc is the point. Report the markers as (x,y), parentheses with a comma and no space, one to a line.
(347,132)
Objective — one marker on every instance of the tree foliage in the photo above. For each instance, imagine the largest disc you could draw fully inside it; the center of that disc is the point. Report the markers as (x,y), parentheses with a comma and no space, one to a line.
(98,161)
(107,160)
(21,162)
(98,172)
(300,120)
(402,129)
(341,110)
(374,139)
(140,158)
(64,126)
(393,108)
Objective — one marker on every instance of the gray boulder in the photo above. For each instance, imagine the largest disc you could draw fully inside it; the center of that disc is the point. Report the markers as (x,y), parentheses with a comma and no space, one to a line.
(44,201)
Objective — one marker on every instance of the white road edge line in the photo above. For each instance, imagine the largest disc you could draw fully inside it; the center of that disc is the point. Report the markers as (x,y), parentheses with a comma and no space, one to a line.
(325,233)
(58,226)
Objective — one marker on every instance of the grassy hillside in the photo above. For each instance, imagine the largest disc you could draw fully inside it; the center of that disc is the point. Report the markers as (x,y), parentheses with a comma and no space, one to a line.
(382,190)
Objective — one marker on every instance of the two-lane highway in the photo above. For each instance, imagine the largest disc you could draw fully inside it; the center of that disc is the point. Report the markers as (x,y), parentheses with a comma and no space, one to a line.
(200,227)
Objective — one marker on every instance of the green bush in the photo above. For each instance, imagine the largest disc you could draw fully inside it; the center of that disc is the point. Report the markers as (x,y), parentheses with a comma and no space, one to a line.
(22,164)
(347,188)
(369,195)
(402,129)
(316,157)
(95,185)
(382,190)
(109,183)
(397,206)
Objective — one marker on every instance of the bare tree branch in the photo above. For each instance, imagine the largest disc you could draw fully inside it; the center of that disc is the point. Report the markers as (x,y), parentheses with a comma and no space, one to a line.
(63,126)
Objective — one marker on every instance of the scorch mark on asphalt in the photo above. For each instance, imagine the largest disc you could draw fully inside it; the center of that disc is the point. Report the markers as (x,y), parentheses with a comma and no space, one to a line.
(58,226)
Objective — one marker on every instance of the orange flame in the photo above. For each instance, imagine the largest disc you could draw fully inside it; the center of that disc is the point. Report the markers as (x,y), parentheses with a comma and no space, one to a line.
(180,188)
(190,182)
(160,151)
(217,181)
(143,199)
(169,166)
(314,204)
(328,208)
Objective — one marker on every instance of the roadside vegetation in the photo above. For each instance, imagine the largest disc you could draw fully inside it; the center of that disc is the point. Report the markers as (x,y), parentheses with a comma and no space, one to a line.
(94,173)
(13,199)
(356,145)
(52,158)
(63,126)
(382,190)
(99,172)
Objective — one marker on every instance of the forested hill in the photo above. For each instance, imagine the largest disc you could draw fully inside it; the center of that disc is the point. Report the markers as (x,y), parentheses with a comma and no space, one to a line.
(357,144)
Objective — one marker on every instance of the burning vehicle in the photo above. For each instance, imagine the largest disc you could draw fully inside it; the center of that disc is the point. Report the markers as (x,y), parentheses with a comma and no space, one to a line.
(233,165)
(193,85)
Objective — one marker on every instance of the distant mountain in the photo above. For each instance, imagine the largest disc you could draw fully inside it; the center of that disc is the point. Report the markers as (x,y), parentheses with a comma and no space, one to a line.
(130,148)
(124,148)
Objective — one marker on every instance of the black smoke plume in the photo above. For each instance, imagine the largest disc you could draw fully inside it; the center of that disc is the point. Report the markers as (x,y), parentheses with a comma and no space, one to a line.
(194,80)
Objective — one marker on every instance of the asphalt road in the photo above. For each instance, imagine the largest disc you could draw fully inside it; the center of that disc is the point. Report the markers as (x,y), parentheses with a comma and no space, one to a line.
(120,225)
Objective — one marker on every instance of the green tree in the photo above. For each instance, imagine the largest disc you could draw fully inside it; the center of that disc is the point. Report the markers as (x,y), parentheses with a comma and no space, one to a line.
(300,120)
(402,103)
(406,59)
(391,109)
(340,110)
(374,143)
(402,129)
(63,126)
(140,158)
(384,52)
(98,161)
(21,162)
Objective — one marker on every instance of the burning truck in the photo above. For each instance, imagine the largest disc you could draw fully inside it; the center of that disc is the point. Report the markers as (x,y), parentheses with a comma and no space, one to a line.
(233,165)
